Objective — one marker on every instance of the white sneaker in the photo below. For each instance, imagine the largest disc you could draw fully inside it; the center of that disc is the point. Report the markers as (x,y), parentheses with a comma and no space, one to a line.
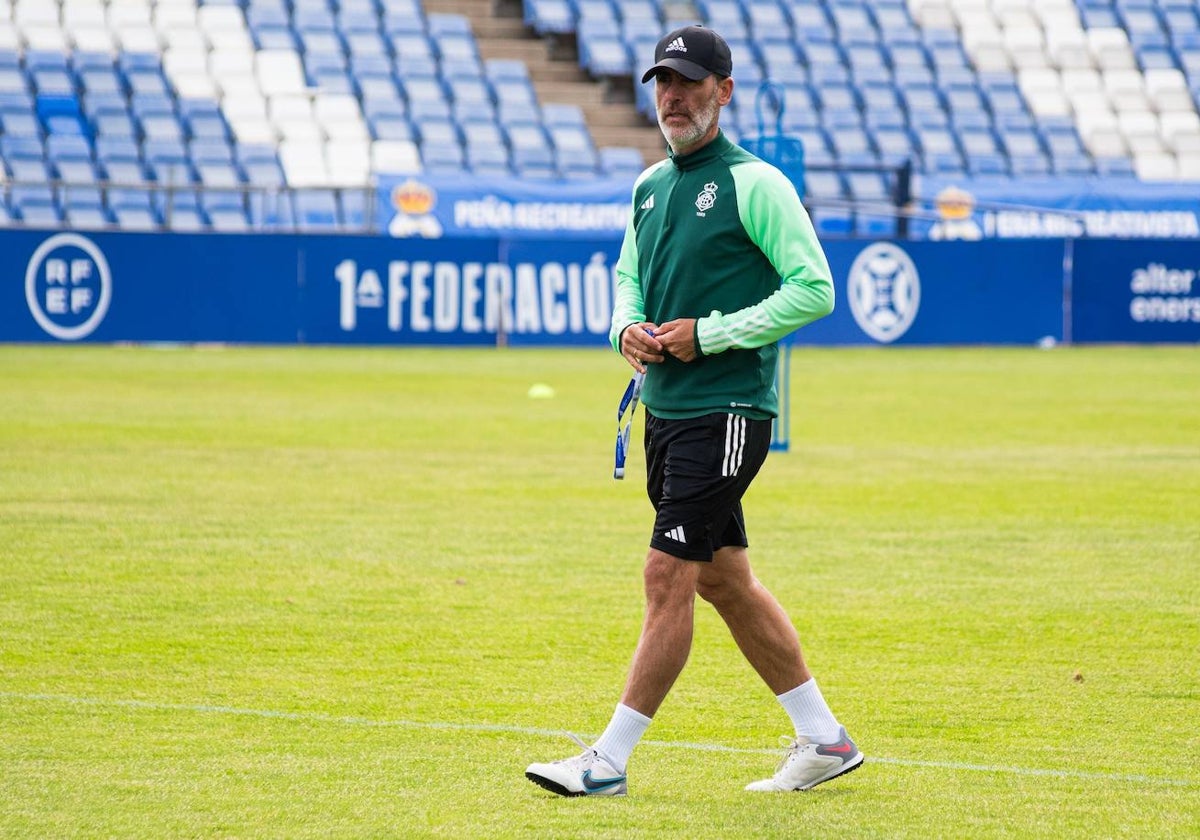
(806,764)
(587,774)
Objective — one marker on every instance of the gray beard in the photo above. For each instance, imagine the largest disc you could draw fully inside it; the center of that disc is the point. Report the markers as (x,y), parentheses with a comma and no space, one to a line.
(701,124)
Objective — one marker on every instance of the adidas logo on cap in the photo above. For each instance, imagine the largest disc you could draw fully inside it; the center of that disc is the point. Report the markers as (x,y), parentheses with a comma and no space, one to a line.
(692,51)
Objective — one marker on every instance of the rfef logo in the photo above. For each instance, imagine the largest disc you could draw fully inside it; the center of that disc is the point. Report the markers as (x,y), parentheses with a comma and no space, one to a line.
(68,286)
(884,291)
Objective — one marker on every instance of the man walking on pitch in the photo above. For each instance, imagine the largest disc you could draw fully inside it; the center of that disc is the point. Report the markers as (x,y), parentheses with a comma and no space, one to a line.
(719,262)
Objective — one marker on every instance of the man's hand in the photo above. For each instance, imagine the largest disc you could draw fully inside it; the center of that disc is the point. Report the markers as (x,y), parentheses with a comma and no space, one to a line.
(678,337)
(640,346)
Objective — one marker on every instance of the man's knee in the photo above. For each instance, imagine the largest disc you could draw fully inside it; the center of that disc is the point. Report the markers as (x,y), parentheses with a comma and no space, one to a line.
(727,580)
(668,579)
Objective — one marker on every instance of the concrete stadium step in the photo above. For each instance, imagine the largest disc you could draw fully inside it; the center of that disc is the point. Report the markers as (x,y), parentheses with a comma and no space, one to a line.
(500,32)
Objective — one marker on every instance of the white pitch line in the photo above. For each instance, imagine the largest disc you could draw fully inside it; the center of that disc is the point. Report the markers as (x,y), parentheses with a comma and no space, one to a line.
(317,717)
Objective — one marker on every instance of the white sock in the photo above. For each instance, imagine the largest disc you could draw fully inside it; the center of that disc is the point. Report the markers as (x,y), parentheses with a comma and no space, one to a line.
(810,714)
(623,732)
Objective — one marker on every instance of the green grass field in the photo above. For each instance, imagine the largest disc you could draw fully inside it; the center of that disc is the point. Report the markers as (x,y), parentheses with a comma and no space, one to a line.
(291,593)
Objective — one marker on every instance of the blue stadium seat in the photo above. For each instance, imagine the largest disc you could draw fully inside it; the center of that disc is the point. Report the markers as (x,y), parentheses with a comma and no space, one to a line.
(513,92)
(1099,17)
(987,164)
(226,211)
(487,159)
(14,80)
(875,225)
(879,96)
(818,151)
(811,24)
(868,186)
(313,17)
(390,126)
(146,80)
(471,92)
(602,51)
(939,149)
(186,219)
(823,185)
(29,170)
(437,132)
(834,222)
(76,170)
(60,114)
(444,158)
(1072,165)
(780,61)
(326,43)
(355,206)
(167,162)
(218,173)
(133,209)
(594,10)
(573,148)
(558,115)
(121,160)
(95,80)
(53,82)
(970,120)
(534,162)
(84,208)
(852,147)
(365,43)
(923,105)
(1115,167)
(411,44)
(160,125)
(1179,18)
(978,142)
(271,210)
(261,167)
(71,157)
(894,145)
(549,16)
(36,205)
(621,161)
(15,123)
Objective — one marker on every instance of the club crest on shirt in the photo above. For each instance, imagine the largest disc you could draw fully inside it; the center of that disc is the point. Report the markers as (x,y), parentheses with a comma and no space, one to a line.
(707,198)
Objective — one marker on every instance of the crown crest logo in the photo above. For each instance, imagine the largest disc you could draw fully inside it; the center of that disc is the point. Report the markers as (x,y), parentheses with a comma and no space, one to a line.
(413,198)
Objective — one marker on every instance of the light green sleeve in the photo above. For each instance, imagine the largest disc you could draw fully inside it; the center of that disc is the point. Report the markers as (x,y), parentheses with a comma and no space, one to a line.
(628,303)
(778,224)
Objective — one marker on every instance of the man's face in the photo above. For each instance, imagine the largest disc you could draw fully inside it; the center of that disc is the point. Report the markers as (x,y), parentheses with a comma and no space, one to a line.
(688,111)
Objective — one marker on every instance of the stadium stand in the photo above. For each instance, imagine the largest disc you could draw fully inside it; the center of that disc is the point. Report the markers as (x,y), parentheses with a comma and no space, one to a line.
(257,114)
(278,114)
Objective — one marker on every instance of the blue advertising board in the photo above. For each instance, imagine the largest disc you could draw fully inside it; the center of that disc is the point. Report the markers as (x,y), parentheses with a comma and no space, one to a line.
(110,287)
(147,287)
(459,206)
(468,291)
(987,292)
(1146,291)
(1055,208)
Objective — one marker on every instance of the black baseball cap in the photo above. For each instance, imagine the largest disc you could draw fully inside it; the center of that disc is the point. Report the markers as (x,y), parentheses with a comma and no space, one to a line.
(692,51)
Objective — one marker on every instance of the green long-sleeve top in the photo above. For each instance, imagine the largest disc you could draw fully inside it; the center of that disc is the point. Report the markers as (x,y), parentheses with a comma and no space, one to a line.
(721,236)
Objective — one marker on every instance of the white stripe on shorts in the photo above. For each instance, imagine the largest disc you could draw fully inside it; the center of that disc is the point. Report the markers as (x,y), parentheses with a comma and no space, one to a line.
(735,443)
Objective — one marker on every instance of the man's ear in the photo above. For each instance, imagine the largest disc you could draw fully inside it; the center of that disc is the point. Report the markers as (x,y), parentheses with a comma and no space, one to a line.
(725,91)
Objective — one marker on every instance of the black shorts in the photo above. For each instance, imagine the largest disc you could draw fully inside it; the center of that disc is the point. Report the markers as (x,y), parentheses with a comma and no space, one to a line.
(697,471)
